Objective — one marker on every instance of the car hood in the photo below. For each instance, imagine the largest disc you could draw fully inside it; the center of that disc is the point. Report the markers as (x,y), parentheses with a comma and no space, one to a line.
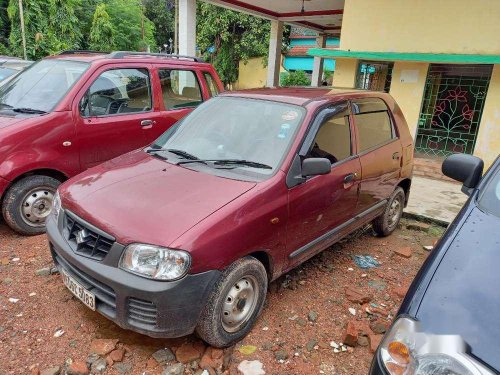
(139,198)
(462,297)
(10,120)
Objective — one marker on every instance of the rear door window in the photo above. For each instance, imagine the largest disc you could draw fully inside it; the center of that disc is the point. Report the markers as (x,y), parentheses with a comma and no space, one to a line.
(213,89)
(119,91)
(373,123)
(180,88)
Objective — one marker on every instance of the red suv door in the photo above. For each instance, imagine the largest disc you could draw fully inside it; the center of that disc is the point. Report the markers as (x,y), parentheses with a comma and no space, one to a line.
(320,208)
(180,91)
(114,112)
(379,149)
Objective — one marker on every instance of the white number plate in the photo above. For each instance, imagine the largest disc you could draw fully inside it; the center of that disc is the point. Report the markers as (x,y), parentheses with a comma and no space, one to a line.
(79,291)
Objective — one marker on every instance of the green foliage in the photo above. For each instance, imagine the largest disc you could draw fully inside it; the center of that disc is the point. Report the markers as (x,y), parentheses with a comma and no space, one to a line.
(51,26)
(234,36)
(101,32)
(161,13)
(297,78)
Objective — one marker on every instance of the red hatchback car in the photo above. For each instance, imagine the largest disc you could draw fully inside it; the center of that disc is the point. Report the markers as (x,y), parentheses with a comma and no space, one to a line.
(72,111)
(187,233)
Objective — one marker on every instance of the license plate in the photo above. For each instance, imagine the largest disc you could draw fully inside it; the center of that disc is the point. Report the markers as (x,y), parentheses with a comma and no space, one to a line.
(79,291)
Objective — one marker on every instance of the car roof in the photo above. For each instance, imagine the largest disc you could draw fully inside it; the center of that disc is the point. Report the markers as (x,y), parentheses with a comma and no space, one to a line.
(302,96)
(125,56)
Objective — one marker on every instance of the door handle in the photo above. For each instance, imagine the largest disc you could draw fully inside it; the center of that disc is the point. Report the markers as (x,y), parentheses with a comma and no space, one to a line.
(147,123)
(395,156)
(350,177)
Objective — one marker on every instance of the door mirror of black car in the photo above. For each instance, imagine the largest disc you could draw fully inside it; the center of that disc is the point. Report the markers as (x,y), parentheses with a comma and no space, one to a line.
(316,166)
(467,169)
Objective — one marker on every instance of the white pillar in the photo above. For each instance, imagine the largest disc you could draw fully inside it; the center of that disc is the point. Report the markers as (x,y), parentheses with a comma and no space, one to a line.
(187,27)
(317,74)
(274,58)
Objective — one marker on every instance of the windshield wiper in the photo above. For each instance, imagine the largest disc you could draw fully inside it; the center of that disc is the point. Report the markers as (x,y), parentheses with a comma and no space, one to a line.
(4,105)
(29,110)
(248,163)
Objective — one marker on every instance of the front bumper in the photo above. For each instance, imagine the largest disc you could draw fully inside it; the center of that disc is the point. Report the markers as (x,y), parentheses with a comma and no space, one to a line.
(154,308)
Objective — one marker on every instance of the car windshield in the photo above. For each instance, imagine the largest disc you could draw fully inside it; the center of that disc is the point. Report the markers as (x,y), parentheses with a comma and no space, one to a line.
(6,72)
(489,199)
(41,86)
(240,134)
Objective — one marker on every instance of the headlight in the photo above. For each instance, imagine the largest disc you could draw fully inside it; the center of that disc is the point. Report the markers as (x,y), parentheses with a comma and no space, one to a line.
(56,206)
(155,262)
(406,350)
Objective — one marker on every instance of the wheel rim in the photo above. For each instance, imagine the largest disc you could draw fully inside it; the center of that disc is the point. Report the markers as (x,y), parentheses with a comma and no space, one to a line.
(36,206)
(240,303)
(394,212)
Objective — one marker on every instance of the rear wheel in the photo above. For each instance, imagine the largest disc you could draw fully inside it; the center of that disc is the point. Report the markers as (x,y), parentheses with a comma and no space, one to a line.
(235,303)
(28,202)
(386,223)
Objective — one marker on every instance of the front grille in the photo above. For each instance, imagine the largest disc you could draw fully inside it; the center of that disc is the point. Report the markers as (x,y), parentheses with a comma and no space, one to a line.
(85,241)
(142,313)
(105,295)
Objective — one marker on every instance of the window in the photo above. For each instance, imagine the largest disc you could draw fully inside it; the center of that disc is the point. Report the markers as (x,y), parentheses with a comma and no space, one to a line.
(489,198)
(118,91)
(374,75)
(333,140)
(213,89)
(373,123)
(180,88)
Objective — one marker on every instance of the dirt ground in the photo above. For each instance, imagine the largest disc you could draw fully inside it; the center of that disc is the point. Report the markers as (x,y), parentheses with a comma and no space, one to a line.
(43,328)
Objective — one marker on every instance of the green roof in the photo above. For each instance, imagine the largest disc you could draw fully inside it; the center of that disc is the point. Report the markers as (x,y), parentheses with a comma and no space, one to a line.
(406,56)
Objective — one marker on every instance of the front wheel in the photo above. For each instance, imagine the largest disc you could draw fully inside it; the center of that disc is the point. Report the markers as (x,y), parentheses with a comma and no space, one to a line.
(28,202)
(386,223)
(235,303)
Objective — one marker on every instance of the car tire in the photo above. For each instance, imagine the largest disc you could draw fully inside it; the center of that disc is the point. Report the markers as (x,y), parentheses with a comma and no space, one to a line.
(386,223)
(27,203)
(235,303)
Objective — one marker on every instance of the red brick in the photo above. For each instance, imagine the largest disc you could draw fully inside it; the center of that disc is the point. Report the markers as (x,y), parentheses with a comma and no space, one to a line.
(356,296)
(403,251)
(117,355)
(77,368)
(374,342)
(189,352)
(351,334)
(209,361)
(103,346)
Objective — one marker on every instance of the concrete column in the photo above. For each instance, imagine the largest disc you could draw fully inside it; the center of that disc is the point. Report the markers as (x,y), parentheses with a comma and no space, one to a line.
(187,27)
(274,58)
(317,74)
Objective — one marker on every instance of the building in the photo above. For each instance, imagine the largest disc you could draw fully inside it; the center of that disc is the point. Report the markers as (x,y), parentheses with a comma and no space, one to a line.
(439,59)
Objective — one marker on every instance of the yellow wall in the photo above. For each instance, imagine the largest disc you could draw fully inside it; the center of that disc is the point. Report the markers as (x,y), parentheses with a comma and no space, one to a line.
(409,94)
(488,138)
(345,72)
(253,74)
(432,26)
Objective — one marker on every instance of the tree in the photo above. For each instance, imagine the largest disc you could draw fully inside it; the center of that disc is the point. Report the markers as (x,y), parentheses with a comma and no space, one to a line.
(225,37)
(162,14)
(51,26)
(101,32)
(297,78)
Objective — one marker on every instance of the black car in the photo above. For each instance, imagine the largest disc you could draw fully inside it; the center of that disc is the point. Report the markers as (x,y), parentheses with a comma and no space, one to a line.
(449,321)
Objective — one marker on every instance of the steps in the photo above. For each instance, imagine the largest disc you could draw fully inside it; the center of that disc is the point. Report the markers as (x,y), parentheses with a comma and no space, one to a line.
(429,168)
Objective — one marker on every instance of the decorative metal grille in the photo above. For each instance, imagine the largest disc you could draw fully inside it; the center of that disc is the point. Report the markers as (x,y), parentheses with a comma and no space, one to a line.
(374,75)
(451,109)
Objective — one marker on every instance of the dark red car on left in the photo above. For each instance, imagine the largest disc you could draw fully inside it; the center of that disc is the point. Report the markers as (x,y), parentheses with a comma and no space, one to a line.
(72,111)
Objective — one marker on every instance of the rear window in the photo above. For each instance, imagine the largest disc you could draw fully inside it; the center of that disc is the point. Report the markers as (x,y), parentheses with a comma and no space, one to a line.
(489,198)
(373,123)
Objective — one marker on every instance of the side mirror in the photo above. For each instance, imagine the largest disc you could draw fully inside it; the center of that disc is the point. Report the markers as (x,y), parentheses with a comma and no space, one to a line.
(316,166)
(465,168)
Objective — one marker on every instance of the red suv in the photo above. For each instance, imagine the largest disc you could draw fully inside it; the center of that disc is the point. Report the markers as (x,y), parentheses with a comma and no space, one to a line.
(187,233)
(72,111)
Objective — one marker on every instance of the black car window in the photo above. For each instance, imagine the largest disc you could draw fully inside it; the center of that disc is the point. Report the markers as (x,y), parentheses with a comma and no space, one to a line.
(118,91)
(180,89)
(333,139)
(489,198)
(373,123)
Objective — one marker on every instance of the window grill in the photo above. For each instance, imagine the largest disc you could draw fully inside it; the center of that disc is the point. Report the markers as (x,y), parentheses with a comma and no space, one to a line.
(451,109)
(374,75)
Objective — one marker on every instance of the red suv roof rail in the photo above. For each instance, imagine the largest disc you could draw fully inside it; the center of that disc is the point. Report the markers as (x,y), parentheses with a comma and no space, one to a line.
(81,51)
(122,54)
